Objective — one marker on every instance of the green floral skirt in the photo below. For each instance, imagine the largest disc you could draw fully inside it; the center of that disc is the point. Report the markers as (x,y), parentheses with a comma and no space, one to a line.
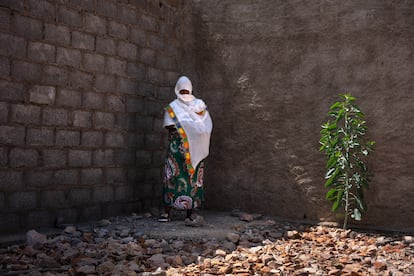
(181,191)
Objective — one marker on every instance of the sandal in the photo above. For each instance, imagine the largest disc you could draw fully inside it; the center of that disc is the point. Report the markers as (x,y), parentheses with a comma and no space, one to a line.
(164,218)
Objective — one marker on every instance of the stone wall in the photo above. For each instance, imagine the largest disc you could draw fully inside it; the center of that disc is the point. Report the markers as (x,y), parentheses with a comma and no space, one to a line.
(269,70)
(82,87)
(83,84)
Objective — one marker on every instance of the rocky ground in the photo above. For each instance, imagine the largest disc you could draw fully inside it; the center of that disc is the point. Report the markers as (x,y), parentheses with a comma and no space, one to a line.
(232,244)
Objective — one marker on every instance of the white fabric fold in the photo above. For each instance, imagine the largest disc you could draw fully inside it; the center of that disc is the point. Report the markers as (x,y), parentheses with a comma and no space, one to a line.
(197,127)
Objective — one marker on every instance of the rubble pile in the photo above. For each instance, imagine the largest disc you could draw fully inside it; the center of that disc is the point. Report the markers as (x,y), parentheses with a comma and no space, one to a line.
(259,247)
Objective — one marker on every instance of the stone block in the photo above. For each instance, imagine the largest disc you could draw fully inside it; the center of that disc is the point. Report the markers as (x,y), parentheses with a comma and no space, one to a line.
(39,179)
(69,16)
(57,33)
(94,23)
(113,209)
(158,157)
(69,98)
(156,76)
(123,193)
(22,201)
(93,62)
(127,15)
(53,75)
(125,121)
(158,122)
(136,140)
(40,136)
(104,120)
(107,8)
(92,139)
(138,36)
(82,119)
(105,83)
(153,141)
(114,139)
(92,100)
(42,52)
(124,157)
(67,216)
(10,91)
(53,199)
(147,56)
(12,45)
(26,114)
(11,180)
(127,86)
(116,175)
(5,66)
(27,71)
(166,93)
(115,66)
(54,158)
(41,9)
(28,27)
(91,213)
(135,104)
(145,89)
(12,135)
(103,158)
(81,80)
(143,158)
(154,108)
(127,50)
(91,176)
(5,20)
(156,42)
(79,196)
(69,57)
(67,138)
(83,40)
(88,5)
(118,30)
(165,62)
(80,158)
(103,194)
(23,158)
(153,175)
(66,177)
(141,4)
(40,219)
(115,103)
(2,202)
(105,45)
(135,176)
(148,22)
(4,112)
(145,123)
(42,94)
(4,159)
(54,116)
(169,77)
(9,223)
(136,71)
(17,5)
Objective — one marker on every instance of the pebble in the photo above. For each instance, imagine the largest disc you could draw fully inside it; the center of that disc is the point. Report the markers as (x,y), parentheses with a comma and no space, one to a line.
(115,247)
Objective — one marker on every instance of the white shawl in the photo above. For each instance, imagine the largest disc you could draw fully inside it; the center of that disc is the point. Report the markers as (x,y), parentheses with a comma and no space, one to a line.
(197,127)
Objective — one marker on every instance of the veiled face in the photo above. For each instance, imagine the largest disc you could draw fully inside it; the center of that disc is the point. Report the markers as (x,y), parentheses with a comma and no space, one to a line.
(183,91)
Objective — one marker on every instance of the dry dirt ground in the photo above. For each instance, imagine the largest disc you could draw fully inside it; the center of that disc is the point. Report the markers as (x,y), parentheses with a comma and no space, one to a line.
(225,244)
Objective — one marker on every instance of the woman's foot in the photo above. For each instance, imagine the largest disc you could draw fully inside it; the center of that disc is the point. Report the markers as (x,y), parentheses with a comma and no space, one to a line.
(164,218)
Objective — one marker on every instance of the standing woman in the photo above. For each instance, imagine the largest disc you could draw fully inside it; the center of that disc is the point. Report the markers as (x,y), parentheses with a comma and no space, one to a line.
(189,124)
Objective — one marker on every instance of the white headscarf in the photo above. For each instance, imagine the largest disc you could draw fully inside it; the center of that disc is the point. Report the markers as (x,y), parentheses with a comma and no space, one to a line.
(197,127)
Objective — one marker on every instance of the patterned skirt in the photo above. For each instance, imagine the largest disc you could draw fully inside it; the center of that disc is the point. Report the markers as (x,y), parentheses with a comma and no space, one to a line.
(181,191)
